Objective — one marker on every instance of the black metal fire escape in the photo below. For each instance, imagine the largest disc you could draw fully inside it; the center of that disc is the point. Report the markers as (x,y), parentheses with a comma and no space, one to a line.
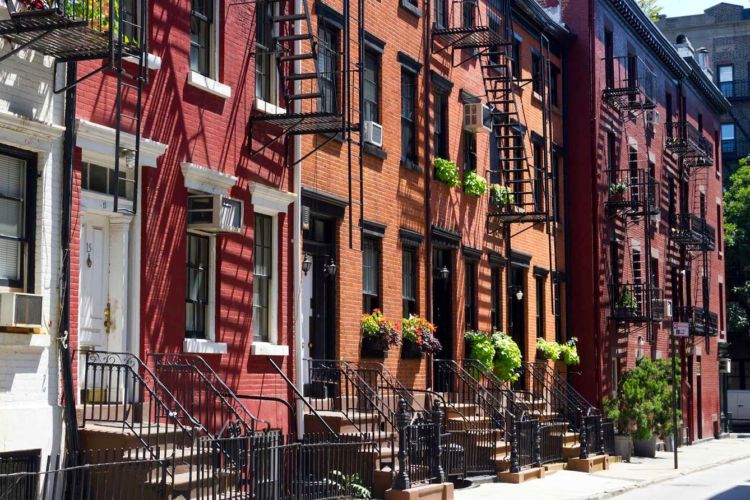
(690,230)
(110,30)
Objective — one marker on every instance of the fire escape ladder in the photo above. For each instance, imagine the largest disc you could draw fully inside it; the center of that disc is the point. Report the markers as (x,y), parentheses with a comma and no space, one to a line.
(462,28)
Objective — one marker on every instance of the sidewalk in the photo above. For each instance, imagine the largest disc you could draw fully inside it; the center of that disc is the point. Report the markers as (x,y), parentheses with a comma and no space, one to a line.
(621,477)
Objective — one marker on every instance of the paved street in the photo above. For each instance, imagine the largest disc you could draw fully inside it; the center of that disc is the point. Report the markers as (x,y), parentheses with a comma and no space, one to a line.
(643,477)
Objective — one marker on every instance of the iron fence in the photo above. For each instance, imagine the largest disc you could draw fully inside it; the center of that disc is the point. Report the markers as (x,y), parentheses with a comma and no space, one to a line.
(608,434)
(591,436)
(551,439)
(524,452)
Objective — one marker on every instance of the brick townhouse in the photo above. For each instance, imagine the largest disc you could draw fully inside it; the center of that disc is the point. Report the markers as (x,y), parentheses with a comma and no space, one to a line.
(644,147)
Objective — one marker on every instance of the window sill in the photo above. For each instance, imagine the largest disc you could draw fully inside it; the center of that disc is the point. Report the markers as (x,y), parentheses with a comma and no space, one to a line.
(412,9)
(375,151)
(410,165)
(153,62)
(208,85)
(29,339)
(204,346)
(536,97)
(268,108)
(269,349)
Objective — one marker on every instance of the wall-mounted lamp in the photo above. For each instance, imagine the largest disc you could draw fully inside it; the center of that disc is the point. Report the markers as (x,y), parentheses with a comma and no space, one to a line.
(330,269)
(306,263)
(444,273)
(519,294)
(639,349)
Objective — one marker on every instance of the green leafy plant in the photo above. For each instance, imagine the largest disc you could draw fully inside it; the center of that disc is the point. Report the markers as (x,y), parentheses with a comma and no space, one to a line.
(569,352)
(376,328)
(348,485)
(446,171)
(618,188)
(479,347)
(500,195)
(643,405)
(507,357)
(627,299)
(474,185)
(548,349)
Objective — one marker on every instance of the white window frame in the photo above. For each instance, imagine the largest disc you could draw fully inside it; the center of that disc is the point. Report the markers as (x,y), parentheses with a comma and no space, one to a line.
(273,306)
(211,83)
(271,106)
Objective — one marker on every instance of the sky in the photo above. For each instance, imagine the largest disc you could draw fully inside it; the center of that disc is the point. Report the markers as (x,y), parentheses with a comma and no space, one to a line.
(673,8)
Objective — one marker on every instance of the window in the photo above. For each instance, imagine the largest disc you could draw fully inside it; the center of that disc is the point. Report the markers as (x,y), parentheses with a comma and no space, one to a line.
(609,58)
(728,144)
(556,161)
(495,164)
(409,281)
(102,180)
(633,174)
(496,298)
(328,44)
(17,220)
(536,72)
(540,312)
(470,299)
(538,177)
(554,85)
(371,95)
(557,304)
(470,151)
(408,111)
(721,306)
(725,76)
(201,27)
(637,277)
(265,59)
(198,275)
(654,273)
(263,276)
(441,125)
(468,8)
(441,17)
(495,51)
(719,236)
(516,57)
(370,275)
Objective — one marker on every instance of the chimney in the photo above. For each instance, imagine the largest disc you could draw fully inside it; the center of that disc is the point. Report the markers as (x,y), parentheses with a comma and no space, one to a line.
(702,58)
(684,47)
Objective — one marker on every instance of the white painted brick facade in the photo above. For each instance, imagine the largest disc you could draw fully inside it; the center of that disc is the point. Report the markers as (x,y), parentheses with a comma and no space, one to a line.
(29,380)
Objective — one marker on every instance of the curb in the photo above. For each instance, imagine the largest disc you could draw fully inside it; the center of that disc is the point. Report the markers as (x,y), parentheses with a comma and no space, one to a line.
(635,486)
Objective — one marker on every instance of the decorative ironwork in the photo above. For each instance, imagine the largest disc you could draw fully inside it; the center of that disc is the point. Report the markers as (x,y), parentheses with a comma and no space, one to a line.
(687,142)
(703,323)
(629,84)
(632,302)
(633,192)
(693,232)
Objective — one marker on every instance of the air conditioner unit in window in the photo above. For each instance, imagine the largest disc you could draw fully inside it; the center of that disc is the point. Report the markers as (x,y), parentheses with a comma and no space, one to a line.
(214,213)
(20,310)
(373,133)
(661,309)
(652,118)
(476,117)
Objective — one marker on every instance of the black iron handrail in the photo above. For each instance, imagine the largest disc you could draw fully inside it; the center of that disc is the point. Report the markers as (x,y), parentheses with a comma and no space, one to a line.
(389,388)
(286,404)
(501,391)
(692,229)
(687,141)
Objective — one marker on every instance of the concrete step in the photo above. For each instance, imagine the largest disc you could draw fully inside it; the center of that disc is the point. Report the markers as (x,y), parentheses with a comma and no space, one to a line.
(103,436)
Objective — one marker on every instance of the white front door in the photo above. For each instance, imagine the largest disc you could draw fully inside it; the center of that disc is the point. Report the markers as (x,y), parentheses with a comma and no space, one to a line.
(306,320)
(93,292)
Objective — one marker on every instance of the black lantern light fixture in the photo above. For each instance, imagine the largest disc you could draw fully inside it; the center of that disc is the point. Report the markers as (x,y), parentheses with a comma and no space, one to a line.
(306,263)
(330,269)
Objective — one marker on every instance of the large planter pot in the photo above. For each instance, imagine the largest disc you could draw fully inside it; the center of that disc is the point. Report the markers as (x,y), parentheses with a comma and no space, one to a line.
(645,447)
(623,446)
(371,349)
(410,350)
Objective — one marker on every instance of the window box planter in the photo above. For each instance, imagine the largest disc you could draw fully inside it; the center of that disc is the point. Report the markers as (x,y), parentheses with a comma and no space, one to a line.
(372,349)
(410,350)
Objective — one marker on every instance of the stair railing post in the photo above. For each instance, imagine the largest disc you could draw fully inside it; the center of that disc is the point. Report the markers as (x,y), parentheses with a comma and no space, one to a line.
(401,480)
(600,419)
(583,439)
(437,472)
(538,443)
(514,464)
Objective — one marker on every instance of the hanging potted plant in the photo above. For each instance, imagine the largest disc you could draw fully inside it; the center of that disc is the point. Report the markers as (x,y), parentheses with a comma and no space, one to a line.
(627,305)
(446,171)
(474,185)
(617,191)
(418,338)
(378,335)
(549,350)
(500,196)
(507,358)
(479,347)
(569,352)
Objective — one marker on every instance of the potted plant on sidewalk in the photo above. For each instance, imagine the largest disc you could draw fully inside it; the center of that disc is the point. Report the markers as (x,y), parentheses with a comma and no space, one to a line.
(418,338)
(378,335)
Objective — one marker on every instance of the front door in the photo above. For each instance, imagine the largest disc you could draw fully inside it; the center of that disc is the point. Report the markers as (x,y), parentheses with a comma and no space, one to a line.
(699,396)
(93,302)
(518,309)
(442,314)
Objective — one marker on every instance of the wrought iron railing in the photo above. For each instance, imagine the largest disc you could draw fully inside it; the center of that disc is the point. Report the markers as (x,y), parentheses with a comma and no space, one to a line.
(629,302)
(18,475)
(608,433)
(629,83)
(693,231)
(197,386)
(92,475)
(634,191)
(420,449)
(702,322)
(734,148)
(525,451)
(737,89)
(591,436)
(388,388)
(551,441)
(518,403)
(686,141)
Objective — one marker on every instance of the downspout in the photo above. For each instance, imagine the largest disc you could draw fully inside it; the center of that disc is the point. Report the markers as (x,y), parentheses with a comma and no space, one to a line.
(296,226)
(427,172)
(71,430)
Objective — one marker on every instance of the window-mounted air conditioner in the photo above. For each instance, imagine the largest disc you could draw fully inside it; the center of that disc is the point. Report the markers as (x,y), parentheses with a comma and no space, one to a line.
(661,309)
(476,117)
(373,133)
(214,213)
(653,118)
(20,310)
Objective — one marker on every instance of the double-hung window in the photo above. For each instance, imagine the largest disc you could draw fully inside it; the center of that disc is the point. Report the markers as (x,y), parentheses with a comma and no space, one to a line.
(371,274)
(328,37)
(496,298)
(441,13)
(372,86)
(441,125)
(539,177)
(470,152)
(201,37)
(470,295)
(198,277)
(536,72)
(515,50)
(554,86)
(409,281)
(541,317)
(16,211)
(728,144)
(263,277)
(408,115)
(265,59)
(725,75)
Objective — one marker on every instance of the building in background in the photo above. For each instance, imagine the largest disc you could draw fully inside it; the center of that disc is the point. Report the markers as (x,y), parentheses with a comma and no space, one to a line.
(646,242)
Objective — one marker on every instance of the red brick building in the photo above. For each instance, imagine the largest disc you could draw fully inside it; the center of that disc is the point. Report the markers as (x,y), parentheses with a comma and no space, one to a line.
(645,243)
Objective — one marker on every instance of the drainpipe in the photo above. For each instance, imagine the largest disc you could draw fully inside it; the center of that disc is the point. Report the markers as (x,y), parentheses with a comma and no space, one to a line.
(71,430)
(427,172)
(296,226)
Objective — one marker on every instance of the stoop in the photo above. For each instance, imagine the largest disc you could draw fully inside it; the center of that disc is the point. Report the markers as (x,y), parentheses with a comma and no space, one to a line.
(442,491)
(520,477)
(591,464)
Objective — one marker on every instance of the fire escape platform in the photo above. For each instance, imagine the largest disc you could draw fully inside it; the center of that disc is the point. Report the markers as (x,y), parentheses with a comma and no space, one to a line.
(627,99)
(473,37)
(519,216)
(305,123)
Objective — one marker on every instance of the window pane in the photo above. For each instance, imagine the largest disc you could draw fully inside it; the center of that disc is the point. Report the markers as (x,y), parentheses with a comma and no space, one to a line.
(10,259)
(262,276)
(11,218)
(196,295)
(408,88)
(12,172)
(726,73)
(372,84)
(727,131)
(98,179)
(328,62)
(370,274)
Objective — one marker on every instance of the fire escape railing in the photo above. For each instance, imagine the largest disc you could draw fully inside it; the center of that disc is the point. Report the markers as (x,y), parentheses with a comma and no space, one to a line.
(631,302)
(693,232)
(633,191)
(703,323)
(686,141)
(629,84)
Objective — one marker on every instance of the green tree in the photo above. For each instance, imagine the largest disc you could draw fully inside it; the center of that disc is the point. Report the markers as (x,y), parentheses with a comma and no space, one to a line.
(737,242)
(651,8)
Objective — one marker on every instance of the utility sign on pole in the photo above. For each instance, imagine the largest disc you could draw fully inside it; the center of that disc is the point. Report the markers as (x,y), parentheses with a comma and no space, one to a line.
(681,329)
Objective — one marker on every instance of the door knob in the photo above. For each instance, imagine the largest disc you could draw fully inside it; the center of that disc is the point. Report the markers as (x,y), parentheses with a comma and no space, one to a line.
(107,318)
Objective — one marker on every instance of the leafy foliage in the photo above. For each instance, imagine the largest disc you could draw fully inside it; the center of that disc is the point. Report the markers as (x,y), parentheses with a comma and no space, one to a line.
(500,195)
(737,239)
(446,172)
(507,357)
(480,347)
(627,299)
(348,485)
(419,331)
(474,185)
(377,328)
(643,406)
(651,8)
(549,349)
(618,188)
(569,352)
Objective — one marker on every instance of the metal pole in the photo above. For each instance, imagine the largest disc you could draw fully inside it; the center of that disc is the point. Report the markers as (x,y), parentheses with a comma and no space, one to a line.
(675,430)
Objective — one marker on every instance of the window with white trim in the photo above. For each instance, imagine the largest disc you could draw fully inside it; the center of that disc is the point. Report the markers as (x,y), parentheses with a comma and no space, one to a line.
(265,58)
(263,278)
(198,282)
(202,38)
(16,210)
(99,179)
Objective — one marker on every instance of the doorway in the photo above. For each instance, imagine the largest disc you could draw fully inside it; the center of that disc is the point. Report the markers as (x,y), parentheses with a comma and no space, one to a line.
(699,396)
(518,309)
(442,299)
